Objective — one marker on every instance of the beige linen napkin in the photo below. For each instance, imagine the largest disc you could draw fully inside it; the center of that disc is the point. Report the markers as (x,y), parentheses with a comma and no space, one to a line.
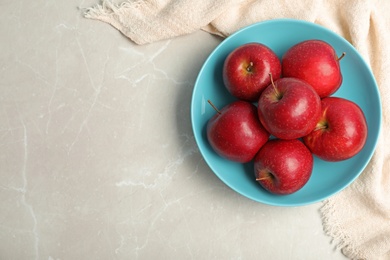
(358,218)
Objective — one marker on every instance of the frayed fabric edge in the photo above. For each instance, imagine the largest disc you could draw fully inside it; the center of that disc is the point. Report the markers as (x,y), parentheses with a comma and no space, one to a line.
(118,16)
(332,229)
(107,8)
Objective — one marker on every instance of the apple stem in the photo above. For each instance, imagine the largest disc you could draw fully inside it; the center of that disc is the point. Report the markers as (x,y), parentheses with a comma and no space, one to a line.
(263,178)
(265,175)
(342,56)
(320,127)
(277,93)
(215,108)
(250,66)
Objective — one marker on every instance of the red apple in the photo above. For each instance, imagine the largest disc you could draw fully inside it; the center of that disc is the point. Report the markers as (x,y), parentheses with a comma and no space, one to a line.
(289,108)
(246,70)
(315,62)
(236,133)
(340,133)
(283,166)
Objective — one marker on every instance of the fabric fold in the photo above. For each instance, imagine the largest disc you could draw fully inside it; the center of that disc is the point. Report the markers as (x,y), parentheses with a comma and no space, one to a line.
(149,21)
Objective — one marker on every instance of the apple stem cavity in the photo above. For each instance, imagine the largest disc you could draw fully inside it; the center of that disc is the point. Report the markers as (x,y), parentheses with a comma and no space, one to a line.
(342,56)
(321,126)
(215,108)
(277,93)
(249,67)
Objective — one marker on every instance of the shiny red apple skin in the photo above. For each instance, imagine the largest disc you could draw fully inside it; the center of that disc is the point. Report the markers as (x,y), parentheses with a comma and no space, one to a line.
(236,133)
(315,62)
(283,166)
(340,133)
(245,81)
(294,114)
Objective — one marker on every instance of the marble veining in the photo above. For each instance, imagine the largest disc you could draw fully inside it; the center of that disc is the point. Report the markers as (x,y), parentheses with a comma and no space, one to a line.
(98,156)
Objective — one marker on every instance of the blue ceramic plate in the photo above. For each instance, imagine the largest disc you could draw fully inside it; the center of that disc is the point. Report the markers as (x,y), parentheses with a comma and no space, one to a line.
(358,85)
